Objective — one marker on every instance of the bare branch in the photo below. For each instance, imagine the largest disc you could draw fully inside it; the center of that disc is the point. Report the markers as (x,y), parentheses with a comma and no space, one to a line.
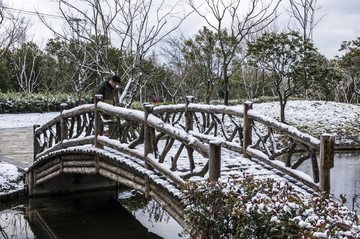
(235,21)
(303,11)
(13,28)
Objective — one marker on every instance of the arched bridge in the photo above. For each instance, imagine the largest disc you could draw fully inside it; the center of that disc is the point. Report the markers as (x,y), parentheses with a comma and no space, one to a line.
(155,150)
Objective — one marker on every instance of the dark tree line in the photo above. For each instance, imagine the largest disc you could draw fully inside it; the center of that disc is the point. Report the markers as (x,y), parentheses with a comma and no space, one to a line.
(237,55)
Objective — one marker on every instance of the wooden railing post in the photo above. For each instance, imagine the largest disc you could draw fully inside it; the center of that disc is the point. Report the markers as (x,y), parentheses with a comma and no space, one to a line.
(188,116)
(97,123)
(189,121)
(327,143)
(247,129)
(214,160)
(36,145)
(148,144)
(63,126)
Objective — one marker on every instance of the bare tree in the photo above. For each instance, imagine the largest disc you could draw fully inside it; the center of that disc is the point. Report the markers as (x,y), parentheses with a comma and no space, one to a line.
(201,55)
(303,12)
(230,21)
(349,64)
(253,80)
(185,81)
(12,28)
(26,61)
(133,26)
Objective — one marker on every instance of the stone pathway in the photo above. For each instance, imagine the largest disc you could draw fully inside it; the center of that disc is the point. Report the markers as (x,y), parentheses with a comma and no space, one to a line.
(16,146)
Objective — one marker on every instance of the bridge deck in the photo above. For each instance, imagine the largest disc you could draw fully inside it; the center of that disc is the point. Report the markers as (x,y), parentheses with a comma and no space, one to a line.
(233,164)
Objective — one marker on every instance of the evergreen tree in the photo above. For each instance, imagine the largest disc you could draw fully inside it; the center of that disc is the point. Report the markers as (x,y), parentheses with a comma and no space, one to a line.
(350,64)
(291,63)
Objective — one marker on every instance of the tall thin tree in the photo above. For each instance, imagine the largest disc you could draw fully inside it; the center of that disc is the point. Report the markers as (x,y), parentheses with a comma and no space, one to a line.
(228,18)
(303,19)
(133,26)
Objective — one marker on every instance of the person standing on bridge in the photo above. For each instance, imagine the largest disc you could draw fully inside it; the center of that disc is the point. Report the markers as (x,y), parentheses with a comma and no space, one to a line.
(108,89)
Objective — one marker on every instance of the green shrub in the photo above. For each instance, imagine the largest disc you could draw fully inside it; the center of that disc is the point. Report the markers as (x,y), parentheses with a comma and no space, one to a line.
(18,102)
(251,208)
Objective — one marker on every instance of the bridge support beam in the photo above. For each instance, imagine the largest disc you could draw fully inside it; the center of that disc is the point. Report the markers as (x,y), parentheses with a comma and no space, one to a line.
(63,126)
(36,144)
(148,136)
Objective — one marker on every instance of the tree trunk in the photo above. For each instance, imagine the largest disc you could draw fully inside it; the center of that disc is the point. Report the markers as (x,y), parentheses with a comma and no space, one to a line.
(282,111)
(226,84)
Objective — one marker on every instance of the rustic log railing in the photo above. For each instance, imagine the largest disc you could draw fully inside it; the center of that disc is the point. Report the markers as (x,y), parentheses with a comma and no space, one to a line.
(244,130)
(87,124)
(195,128)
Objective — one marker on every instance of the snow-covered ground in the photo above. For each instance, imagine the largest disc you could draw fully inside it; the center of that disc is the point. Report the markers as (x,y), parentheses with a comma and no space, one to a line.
(9,178)
(25,120)
(9,174)
(319,117)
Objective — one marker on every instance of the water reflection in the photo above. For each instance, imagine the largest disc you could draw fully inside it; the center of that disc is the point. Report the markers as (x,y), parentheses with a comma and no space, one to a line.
(344,177)
(88,215)
(13,223)
(151,215)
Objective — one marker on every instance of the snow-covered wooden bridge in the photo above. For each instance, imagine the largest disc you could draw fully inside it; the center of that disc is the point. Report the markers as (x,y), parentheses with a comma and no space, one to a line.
(158,149)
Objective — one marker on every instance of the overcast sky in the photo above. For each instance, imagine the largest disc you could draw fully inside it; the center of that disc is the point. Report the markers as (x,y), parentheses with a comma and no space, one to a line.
(340,21)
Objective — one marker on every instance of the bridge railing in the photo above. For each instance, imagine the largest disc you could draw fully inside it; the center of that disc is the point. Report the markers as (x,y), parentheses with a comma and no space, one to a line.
(72,127)
(244,130)
(192,128)
(133,129)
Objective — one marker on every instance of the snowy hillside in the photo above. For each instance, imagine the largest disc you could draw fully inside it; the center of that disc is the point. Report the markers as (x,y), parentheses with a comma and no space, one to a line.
(319,117)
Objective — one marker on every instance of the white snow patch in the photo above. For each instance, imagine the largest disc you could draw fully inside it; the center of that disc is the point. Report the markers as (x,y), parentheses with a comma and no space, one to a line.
(8,121)
(9,178)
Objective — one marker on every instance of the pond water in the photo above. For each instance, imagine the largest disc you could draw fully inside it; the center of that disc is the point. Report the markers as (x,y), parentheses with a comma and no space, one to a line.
(89,215)
(344,178)
(130,214)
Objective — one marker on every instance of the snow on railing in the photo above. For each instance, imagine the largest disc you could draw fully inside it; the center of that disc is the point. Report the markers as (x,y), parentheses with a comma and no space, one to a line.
(291,131)
(202,120)
(193,125)
(86,124)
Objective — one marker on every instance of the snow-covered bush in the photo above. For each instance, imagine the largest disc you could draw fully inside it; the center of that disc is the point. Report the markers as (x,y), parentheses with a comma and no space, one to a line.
(10,178)
(251,208)
(18,102)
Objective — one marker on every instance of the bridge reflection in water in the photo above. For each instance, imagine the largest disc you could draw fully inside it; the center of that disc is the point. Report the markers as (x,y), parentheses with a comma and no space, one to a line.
(88,215)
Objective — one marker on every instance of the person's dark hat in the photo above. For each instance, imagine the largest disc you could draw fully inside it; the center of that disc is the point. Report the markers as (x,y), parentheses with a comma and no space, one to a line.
(116,78)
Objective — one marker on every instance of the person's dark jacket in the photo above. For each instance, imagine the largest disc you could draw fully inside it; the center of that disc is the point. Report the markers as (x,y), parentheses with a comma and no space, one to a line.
(109,93)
